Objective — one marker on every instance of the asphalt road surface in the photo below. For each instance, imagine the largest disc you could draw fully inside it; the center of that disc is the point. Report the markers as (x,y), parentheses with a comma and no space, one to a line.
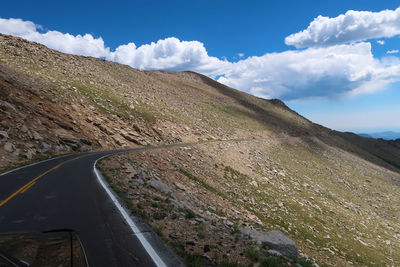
(65,193)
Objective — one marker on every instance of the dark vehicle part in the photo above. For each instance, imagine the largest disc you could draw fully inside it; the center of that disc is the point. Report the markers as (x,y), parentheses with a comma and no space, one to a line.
(61,247)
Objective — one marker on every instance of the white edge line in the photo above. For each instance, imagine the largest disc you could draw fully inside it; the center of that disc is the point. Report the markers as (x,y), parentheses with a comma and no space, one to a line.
(32,164)
(146,245)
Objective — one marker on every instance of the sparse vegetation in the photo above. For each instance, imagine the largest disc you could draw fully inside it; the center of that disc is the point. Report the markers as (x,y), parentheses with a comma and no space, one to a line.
(189,214)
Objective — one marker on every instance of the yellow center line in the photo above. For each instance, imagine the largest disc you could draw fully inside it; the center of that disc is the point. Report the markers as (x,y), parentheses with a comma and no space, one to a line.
(27,187)
(33,181)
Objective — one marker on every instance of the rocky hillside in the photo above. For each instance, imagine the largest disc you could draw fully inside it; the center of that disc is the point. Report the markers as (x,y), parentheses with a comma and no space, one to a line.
(55,103)
(259,166)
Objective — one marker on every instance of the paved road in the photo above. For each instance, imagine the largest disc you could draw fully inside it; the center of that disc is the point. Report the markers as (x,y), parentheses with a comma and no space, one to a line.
(64,193)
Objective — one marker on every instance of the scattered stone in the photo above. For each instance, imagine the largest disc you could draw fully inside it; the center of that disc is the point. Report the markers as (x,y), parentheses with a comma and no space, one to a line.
(138,181)
(128,168)
(37,136)
(28,154)
(63,125)
(24,129)
(71,142)
(86,141)
(7,106)
(228,223)
(132,139)
(136,128)
(4,135)
(273,252)
(141,175)
(45,147)
(199,220)
(16,152)
(180,186)
(75,107)
(254,183)
(190,243)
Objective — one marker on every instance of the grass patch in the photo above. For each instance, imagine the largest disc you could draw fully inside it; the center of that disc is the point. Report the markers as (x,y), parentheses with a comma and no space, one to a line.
(271,262)
(202,183)
(158,231)
(305,262)
(253,253)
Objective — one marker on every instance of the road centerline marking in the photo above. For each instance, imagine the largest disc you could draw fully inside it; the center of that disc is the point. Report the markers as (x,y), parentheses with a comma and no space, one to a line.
(28,185)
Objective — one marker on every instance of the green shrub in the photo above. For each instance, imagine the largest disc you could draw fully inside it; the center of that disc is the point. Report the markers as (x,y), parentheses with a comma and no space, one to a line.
(190,214)
(305,262)
(194,260)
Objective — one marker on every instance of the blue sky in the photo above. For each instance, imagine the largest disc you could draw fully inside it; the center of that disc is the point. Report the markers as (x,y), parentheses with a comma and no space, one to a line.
(242,44)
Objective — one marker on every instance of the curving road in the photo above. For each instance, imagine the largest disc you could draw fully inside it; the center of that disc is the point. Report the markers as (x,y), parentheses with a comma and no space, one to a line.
(67,193)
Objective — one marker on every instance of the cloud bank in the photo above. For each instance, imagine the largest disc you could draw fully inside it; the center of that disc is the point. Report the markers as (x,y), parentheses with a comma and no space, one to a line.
(353,26)
(314,72)
(344,67)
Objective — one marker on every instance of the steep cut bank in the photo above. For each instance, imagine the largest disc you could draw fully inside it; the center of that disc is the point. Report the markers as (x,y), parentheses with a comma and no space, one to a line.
(267,167)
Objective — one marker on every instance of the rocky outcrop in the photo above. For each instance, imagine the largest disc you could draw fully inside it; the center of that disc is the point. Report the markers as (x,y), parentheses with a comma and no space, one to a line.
(275,239)
(160,186)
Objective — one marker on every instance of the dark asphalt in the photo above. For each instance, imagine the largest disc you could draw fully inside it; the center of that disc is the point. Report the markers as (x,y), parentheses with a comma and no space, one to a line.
(70,197)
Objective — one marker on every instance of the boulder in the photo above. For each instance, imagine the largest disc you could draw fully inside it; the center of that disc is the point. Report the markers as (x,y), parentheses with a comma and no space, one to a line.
(28,154)
(45,147)
(275,239)
(9,147)
(7,106)
(180,186)
(24,129)
(160,186)
(17,152)
(3,135)
(133,139)
(37,136)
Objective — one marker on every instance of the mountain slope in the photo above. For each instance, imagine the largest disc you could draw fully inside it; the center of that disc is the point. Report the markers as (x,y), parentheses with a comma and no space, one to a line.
(262,164)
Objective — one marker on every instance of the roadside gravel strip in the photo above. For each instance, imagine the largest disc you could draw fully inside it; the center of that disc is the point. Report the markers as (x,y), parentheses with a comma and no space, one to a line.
(150,250)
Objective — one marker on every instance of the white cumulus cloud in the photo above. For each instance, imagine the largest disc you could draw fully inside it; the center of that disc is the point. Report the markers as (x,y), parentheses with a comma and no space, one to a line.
(85,45)
(327,71)
(169,54)
(314,72)
(395,51)
(381,42)
(353,26)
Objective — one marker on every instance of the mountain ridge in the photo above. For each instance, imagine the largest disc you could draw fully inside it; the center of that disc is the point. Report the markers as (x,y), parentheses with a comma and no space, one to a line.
(387,135)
